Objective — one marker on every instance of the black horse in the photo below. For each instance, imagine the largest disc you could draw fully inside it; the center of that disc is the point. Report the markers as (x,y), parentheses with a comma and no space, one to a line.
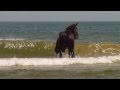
(66,40)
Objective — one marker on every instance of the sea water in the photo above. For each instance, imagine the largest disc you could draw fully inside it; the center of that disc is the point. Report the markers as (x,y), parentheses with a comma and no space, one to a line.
(27,50)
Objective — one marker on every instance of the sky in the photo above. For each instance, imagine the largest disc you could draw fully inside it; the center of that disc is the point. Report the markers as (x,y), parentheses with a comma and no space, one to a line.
(59,16)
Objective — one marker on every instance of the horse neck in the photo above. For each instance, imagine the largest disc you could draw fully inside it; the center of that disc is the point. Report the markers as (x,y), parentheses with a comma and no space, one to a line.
(70,34)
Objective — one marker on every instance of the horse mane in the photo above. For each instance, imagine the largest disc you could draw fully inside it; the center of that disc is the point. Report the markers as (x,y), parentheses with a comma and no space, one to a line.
(70,30)
(62,34)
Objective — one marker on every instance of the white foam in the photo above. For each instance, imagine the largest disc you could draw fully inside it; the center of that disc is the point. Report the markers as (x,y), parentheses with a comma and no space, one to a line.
(57,61)
(11,39)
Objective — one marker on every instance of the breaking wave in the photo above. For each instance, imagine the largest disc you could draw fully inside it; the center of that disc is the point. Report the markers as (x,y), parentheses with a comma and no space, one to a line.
(57,61)
(45,49)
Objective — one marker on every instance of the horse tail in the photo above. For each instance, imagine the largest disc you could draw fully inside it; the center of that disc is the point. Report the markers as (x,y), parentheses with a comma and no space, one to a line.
(57,46)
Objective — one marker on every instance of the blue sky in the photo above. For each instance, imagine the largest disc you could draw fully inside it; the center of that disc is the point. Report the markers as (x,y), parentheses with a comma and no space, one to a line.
(59,15)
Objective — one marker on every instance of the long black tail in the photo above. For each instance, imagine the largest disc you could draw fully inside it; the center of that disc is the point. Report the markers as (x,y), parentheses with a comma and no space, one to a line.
(57,46)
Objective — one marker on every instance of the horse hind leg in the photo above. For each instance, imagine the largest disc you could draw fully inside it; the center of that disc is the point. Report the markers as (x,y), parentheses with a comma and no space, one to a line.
(60,54)
(56,53)
(69,52)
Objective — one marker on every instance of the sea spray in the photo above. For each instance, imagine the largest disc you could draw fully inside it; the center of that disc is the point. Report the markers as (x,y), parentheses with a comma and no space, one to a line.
(57,61)
(45,49)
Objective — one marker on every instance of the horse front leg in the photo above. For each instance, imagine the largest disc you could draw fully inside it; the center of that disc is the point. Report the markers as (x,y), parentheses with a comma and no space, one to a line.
(73,54)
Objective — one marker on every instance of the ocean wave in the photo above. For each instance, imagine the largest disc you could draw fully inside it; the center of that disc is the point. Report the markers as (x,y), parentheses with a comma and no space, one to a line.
(12,39)
(57,61)
(45,49)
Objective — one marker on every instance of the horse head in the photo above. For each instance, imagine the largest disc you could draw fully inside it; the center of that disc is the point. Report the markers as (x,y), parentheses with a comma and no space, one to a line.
(75,32)
(73,29)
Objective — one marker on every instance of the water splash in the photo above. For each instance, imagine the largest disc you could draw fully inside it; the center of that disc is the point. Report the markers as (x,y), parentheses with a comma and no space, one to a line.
(57,61)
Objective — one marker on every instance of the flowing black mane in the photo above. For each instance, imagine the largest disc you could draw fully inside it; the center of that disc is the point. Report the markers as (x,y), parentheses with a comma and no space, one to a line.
(70,30)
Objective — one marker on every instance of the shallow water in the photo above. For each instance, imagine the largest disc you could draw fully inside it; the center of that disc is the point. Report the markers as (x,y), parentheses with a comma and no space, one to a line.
(27,51)
(77,71)
(55,68)
(45,49)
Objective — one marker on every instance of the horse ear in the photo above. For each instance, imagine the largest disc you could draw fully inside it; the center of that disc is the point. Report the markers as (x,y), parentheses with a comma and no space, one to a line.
(76,23)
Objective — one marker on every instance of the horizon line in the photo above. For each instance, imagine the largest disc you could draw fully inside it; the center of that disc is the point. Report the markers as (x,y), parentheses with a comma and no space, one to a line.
(59,21)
